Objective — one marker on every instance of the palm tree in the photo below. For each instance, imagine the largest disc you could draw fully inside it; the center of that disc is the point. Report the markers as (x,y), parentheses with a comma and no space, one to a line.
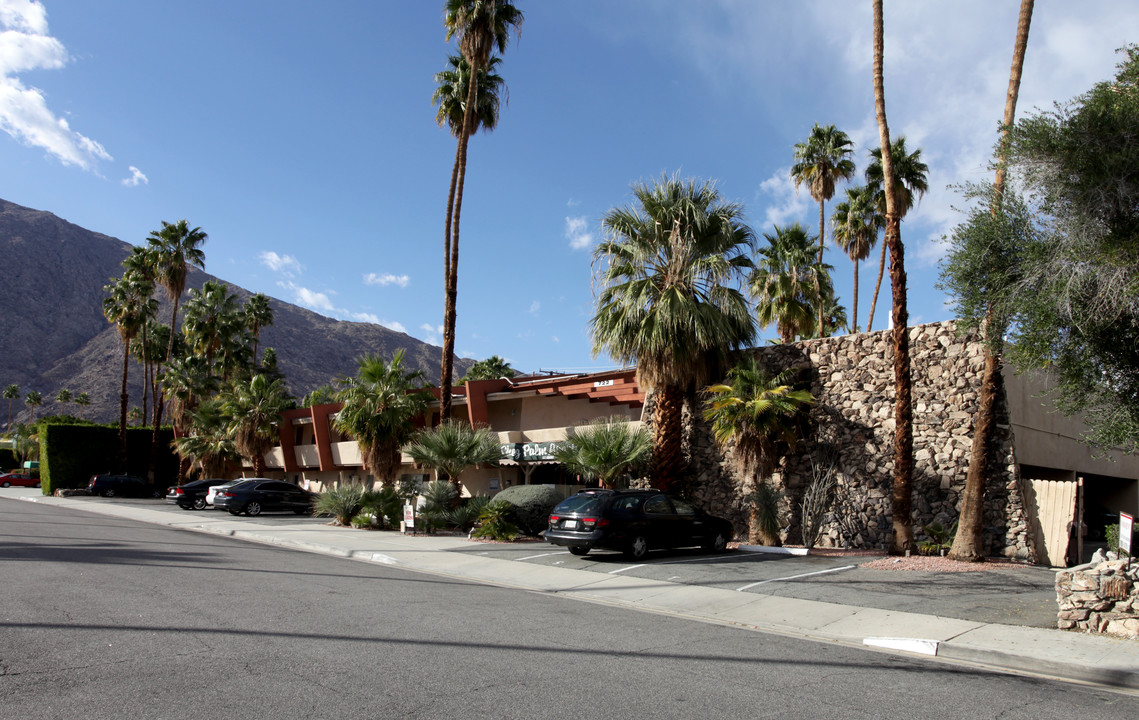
(214,327)
(187,381)
(83,400)
(174,249)
(821,160)
(787,281)
(258,315)
(604,450)
(910,185)
(128,303)
(968,544)
(481,27)
(11,392)
(63,397)
(668,301)
(856,224)
(492,368)
(208,446)
(760,417)
(253,409)
(891,183)
(379,406)
(451,447)
(33,400)
(142,261)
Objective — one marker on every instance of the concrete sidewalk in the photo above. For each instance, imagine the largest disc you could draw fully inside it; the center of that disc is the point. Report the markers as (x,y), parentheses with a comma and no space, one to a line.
(1048,652)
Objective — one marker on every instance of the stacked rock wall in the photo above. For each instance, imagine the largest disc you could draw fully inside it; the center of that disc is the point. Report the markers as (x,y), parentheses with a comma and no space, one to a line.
(1101,597)
(852,379)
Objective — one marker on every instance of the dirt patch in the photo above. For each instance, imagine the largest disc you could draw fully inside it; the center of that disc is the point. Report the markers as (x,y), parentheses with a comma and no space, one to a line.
(932,563)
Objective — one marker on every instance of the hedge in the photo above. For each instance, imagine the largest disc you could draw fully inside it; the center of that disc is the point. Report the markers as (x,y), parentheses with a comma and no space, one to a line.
(8,460)
(531,506)
(70,454)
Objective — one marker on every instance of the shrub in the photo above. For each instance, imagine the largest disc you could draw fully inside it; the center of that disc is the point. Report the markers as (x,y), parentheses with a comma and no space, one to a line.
(385,505)
(494,522)
(342,502)
(366,521)
(940,538)
(1112,534)
(466,515)
(530,506)
(765,516)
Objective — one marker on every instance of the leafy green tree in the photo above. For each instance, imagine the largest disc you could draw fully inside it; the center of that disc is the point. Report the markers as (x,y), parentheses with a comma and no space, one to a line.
(856,223)
(910,184)
(258,315)
(128,303)
(451,447)
(669,303)
(786,284)
(759,417)
(492,368)
(11,392)
(481,27)
(1078,298)
(380,405)
(254,408)
(605,450)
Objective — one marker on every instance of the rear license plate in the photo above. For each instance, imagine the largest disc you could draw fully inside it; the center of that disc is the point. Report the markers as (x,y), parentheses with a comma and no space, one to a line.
(570,525)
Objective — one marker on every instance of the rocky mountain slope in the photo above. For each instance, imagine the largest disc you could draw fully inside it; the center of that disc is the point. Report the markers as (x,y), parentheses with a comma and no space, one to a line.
(54,335)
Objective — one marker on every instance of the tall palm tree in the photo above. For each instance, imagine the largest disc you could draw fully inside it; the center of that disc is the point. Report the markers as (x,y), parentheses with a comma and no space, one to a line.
(128,303)
(11,392)
(902,498)
(968,543)
(606,449)
(451,447)
(820,161)
(142,261)
(759,417)
(83,400)
(174,248)
(379,407)
(214,326)
(33,400)
(669,303)
(63,397)
(856,223)
(253,409)
(910,184)
(787,281)
(258,315)
(481,27)
(209,445)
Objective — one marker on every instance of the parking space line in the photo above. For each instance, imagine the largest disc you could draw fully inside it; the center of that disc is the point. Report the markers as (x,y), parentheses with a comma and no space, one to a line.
(531,557)
(705,558)
(795,577)
(620,570)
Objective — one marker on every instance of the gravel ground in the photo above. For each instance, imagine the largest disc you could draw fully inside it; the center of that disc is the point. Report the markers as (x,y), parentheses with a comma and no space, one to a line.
(930,563)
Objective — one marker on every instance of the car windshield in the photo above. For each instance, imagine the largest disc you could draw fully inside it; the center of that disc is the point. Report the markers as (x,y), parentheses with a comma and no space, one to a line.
(584,503)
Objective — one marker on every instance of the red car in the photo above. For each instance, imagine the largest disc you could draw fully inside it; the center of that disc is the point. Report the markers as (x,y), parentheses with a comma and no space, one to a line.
(18,480)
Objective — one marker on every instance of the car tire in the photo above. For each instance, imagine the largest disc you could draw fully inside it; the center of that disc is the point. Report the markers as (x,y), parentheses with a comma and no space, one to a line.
(37,484)
(637,548)
(109,492)
(6,484)
(717,544)
(579,551)
(199,504)
(234,512)
(253,508)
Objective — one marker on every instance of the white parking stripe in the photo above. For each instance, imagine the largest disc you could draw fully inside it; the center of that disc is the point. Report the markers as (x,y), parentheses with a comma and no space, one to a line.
(795,577)
(620,570)
(531,557)
(706,558)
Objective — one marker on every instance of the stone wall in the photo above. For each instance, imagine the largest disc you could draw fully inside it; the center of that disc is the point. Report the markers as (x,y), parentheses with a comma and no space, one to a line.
(852,379)
(1100,597)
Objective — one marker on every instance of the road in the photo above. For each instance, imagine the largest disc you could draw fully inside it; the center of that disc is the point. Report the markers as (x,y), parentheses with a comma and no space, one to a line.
(106,618)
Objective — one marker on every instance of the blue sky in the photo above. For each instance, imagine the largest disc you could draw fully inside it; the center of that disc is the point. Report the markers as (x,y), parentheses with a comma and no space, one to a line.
(301,137)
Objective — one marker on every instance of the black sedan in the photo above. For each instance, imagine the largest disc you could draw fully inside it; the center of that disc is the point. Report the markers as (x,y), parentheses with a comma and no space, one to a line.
(192,495)
(634,521)
(252,497)
(110,485)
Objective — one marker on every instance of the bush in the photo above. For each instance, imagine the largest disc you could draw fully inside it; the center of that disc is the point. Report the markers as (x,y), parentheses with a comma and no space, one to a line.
(531,506)
(8,460)
(342,502)
(494,522)
(385,504)
(1112,533)
(466,515)
(365,521)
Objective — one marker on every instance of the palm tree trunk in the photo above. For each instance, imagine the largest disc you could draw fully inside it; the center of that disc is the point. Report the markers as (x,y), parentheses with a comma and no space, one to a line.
(968,543)
(818,290)
(854,306)
(877,287)
(159,399)
(446,366)
(124,399)
(903,539)
(668,435)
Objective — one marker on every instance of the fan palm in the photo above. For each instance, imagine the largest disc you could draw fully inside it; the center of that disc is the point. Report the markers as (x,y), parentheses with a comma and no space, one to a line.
(128,304)
(604,450)
(787,281)
(11,392)
(451,447)
(668,303)
(856,224)
(208,446)
(82,399)
(258,314)
(253,409)
(481,27)
(759,417)
(142,261)
(33,400)
(63,397)
(379,406)
(214,327)
(910,185)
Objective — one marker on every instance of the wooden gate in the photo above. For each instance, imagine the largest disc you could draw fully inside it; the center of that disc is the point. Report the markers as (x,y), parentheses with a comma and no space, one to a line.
(1051,506)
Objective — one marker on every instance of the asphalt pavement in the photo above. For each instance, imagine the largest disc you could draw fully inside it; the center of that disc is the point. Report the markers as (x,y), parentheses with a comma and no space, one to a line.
(1000,619)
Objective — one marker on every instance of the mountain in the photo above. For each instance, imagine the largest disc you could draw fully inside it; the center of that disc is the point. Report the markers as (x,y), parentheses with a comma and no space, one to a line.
(54,334)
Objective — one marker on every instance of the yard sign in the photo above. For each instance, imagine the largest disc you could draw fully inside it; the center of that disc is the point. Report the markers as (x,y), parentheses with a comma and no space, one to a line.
(1126,522)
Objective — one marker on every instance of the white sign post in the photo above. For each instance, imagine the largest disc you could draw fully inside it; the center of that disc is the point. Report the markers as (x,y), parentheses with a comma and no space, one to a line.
(1126,524)
(409,517)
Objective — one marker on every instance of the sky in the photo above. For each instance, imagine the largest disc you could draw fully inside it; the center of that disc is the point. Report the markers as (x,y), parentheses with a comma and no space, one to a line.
(301,137)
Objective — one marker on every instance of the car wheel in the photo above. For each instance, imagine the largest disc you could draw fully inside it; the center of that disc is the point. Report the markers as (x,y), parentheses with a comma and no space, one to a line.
(109,492)
(717,544)
(638,547)
(6,484)
(200,504)
(253,508)
(234,512)
(37,484)
(579,551)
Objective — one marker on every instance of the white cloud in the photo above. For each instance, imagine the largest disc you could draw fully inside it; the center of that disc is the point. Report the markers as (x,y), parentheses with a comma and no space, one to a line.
(24,114)
(535,307)
(555,339)
(571,203)
(287,265)
(432,333)
(577,233)
(386,279)
(138,177)
(310,298)
(786,205)
(393,325)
